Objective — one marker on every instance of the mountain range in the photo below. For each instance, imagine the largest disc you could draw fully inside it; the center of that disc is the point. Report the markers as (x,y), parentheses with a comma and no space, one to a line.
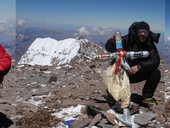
(26,36)
(48,51)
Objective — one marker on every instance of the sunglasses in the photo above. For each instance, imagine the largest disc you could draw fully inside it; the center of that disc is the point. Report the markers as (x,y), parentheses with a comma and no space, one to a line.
(142,32)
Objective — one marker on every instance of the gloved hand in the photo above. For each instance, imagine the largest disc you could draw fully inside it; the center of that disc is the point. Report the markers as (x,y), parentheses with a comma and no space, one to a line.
(133,69)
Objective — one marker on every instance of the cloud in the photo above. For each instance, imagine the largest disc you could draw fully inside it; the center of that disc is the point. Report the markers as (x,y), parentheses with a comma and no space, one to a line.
(168,38)
(22,22)
(98,34)
(7,30)
(3,21)
(93,31)
(2,28)
(6,25)
(3,25)
(101,31)
(83,31)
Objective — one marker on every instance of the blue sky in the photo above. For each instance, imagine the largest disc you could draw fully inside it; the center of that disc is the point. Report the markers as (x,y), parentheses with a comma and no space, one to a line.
(113,13)
(167,18)
(7,20)
(7,10)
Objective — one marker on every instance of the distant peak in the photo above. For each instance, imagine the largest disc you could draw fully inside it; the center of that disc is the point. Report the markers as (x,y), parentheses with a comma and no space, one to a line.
(48,51)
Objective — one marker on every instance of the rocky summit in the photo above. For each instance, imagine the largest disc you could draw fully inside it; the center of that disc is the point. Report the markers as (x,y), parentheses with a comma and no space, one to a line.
(35,96)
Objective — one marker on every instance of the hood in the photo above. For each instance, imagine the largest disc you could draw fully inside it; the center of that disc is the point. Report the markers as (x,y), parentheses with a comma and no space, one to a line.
(142,25)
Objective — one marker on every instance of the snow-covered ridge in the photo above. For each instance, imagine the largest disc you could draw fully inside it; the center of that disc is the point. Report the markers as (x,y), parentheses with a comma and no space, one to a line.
(48,51)
(45,51)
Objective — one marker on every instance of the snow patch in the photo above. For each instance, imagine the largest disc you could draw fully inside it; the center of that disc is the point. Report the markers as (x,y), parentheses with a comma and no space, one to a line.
(46,51)
(69,113)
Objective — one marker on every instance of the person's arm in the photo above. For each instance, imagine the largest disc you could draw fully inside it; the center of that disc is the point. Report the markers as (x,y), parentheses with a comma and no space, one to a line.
(110,45)
(152,62)
(5,59)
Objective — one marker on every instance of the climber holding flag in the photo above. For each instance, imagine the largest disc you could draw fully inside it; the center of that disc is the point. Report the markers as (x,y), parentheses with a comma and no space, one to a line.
(139,38)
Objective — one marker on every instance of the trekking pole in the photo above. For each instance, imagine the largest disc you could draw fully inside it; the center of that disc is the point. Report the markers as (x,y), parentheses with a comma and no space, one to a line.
(131,54)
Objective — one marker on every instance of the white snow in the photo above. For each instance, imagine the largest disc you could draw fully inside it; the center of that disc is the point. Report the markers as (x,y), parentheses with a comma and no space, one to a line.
(167,96)
(43,50)
(35,102)
(69,113)
(134,125)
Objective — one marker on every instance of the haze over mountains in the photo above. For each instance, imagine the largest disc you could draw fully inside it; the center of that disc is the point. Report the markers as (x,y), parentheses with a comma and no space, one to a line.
(99,35)
(26,35)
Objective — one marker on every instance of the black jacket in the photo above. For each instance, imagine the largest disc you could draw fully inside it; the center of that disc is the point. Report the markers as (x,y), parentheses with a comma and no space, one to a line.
(130,44)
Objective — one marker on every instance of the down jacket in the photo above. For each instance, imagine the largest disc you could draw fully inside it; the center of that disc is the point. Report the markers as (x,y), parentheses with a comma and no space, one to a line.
(5,59)
(130,44)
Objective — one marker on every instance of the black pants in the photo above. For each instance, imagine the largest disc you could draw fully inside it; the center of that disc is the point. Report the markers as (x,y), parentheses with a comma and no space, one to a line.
(152,79)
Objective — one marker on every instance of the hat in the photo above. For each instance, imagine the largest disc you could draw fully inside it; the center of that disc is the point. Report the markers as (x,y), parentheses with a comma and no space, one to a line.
(142,25)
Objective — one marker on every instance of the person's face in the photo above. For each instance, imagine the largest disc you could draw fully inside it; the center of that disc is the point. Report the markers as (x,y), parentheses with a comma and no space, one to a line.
(142,35)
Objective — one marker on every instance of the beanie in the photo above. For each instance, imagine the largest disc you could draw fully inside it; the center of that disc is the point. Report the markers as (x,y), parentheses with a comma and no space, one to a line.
(142,25)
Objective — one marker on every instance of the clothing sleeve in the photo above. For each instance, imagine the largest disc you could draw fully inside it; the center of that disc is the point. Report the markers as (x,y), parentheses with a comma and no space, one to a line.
(5,59)
(152,62)
(110,45)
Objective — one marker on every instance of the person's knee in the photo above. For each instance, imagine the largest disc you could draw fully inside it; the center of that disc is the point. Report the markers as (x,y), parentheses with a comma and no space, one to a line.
(157,74)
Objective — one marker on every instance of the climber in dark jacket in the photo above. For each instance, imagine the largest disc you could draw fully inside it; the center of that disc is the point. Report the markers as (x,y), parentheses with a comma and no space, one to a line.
(141,38)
